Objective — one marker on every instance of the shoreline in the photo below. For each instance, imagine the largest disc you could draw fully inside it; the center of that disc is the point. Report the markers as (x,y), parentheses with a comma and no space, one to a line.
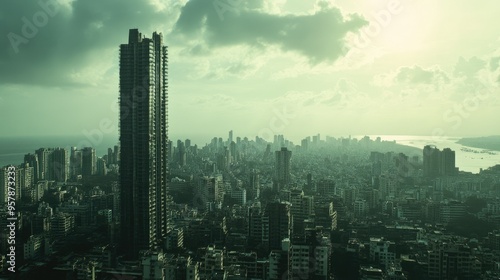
(489,143)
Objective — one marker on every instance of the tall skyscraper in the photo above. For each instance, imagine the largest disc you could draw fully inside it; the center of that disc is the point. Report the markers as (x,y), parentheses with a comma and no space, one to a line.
(53,164)
(438,163)
(282,168)
(116,152)
(431,161)
(277,220)
(182,157)
(59,165)
(43,155)
(230,138)
(302,208)
(75,163)
(32,160)
(111,156)
(448,162)
(143,143)
(88,161)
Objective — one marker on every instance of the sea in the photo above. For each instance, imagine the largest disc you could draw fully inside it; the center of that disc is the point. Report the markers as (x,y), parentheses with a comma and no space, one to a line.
(467,159)
(12,150)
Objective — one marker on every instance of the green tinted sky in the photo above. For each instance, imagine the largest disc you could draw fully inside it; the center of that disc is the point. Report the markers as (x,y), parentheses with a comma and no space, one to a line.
(290,67)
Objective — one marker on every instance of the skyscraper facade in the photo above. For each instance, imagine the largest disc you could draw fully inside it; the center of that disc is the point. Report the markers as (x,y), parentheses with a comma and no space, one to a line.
(431,161)
(277,221)
(282,167)
(53,164)
(143,143)
(88,161)
(32,160)
(448,162)
(438,163)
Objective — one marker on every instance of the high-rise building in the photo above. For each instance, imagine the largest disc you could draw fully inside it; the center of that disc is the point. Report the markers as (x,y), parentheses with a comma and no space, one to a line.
(88,161)
(232,151)
(143,143)
(282,167)
(447,162)
(32,160)
(111,157)
(75,163)
(276,224)
(59,165)
(450,260)
(431,161)
(4,184)
(101,167)
(304,144)
(116,153)
(239,195)
(181,148)
(382,252)
(438,163)
(61,225)
(230,138)
(24,182)
(43,163)
(302,208)
(309,256)
(254,186)
(254,225)
(53,164)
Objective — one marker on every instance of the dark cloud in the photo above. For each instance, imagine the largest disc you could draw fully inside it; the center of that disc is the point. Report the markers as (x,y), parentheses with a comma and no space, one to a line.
(318,36)
(43,47)
(418,75)
(66,40)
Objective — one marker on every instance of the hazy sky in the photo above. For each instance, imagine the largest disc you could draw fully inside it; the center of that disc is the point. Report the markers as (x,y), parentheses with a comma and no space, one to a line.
(259,67)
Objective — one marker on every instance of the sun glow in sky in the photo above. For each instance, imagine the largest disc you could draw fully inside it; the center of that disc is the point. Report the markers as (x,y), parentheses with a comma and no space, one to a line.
(288,67)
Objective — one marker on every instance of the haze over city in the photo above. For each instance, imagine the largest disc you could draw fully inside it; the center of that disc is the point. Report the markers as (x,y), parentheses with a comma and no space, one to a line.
(259,139)
(288,67)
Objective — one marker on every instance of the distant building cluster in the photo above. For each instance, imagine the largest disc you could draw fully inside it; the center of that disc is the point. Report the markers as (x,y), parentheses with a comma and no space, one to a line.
(344,208)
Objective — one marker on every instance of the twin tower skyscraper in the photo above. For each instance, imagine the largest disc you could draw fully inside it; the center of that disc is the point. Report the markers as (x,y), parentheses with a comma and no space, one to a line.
(143,143)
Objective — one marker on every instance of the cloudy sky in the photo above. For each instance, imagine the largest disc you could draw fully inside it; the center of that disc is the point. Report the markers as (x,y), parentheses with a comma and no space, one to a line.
(259,67)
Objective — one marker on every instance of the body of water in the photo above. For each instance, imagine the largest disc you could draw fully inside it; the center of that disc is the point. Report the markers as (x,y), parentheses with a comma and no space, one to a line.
(466,158)
(12,150)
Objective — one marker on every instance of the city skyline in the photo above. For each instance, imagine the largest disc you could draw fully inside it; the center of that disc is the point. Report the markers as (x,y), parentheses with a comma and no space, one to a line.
(249,139)
(382,68)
